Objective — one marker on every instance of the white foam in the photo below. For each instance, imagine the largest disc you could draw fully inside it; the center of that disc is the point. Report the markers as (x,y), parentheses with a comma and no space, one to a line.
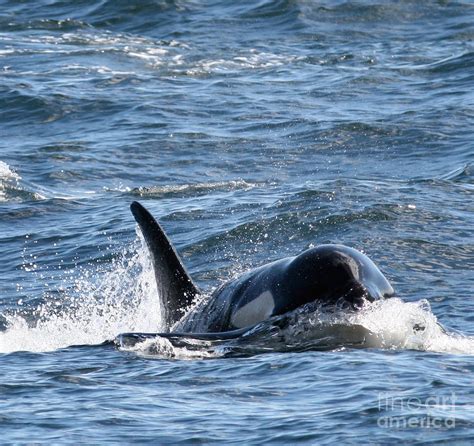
(162,348)
(100,306)
(253,59)
(395,324)
(7,176)
(7,173)
(7,52)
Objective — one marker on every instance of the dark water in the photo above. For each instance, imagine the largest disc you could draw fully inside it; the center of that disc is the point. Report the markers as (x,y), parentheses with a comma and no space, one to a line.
(252,130)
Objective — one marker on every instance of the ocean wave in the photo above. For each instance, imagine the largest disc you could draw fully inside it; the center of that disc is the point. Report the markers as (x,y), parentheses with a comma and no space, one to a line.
(120,14)
(463,62)
(170,55)
(76,48)
(461,173)
(186,190)
(66,24)
(458,64)
(310,222)
(11,189)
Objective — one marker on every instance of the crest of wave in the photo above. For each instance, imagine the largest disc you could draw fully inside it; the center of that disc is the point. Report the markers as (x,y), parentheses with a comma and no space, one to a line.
(103,302)
(7,176)
(13,188)
(6,172)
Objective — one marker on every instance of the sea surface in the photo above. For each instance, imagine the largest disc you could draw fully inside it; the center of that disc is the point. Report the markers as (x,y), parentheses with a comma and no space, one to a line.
(252,130)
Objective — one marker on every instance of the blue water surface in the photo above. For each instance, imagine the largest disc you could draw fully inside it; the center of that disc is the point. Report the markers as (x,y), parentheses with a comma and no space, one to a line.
(252,130)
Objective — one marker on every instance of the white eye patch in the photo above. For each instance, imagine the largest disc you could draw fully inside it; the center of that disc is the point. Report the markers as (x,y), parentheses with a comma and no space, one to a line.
(255,311)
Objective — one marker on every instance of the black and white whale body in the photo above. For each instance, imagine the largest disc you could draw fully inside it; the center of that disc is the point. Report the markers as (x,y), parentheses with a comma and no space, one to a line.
(327,274)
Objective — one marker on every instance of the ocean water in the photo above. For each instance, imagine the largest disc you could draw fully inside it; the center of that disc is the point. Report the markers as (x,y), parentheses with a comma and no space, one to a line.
(252,130)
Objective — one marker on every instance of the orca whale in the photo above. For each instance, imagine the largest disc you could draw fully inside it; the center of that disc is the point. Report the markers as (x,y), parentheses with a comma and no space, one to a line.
(326,274)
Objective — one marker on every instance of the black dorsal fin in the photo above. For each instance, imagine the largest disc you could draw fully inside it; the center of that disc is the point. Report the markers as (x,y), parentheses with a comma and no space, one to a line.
(175,287)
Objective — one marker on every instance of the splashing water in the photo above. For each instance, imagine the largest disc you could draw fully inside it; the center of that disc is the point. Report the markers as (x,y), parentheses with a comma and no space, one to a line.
(395,324)
(389,324)
(101,305)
